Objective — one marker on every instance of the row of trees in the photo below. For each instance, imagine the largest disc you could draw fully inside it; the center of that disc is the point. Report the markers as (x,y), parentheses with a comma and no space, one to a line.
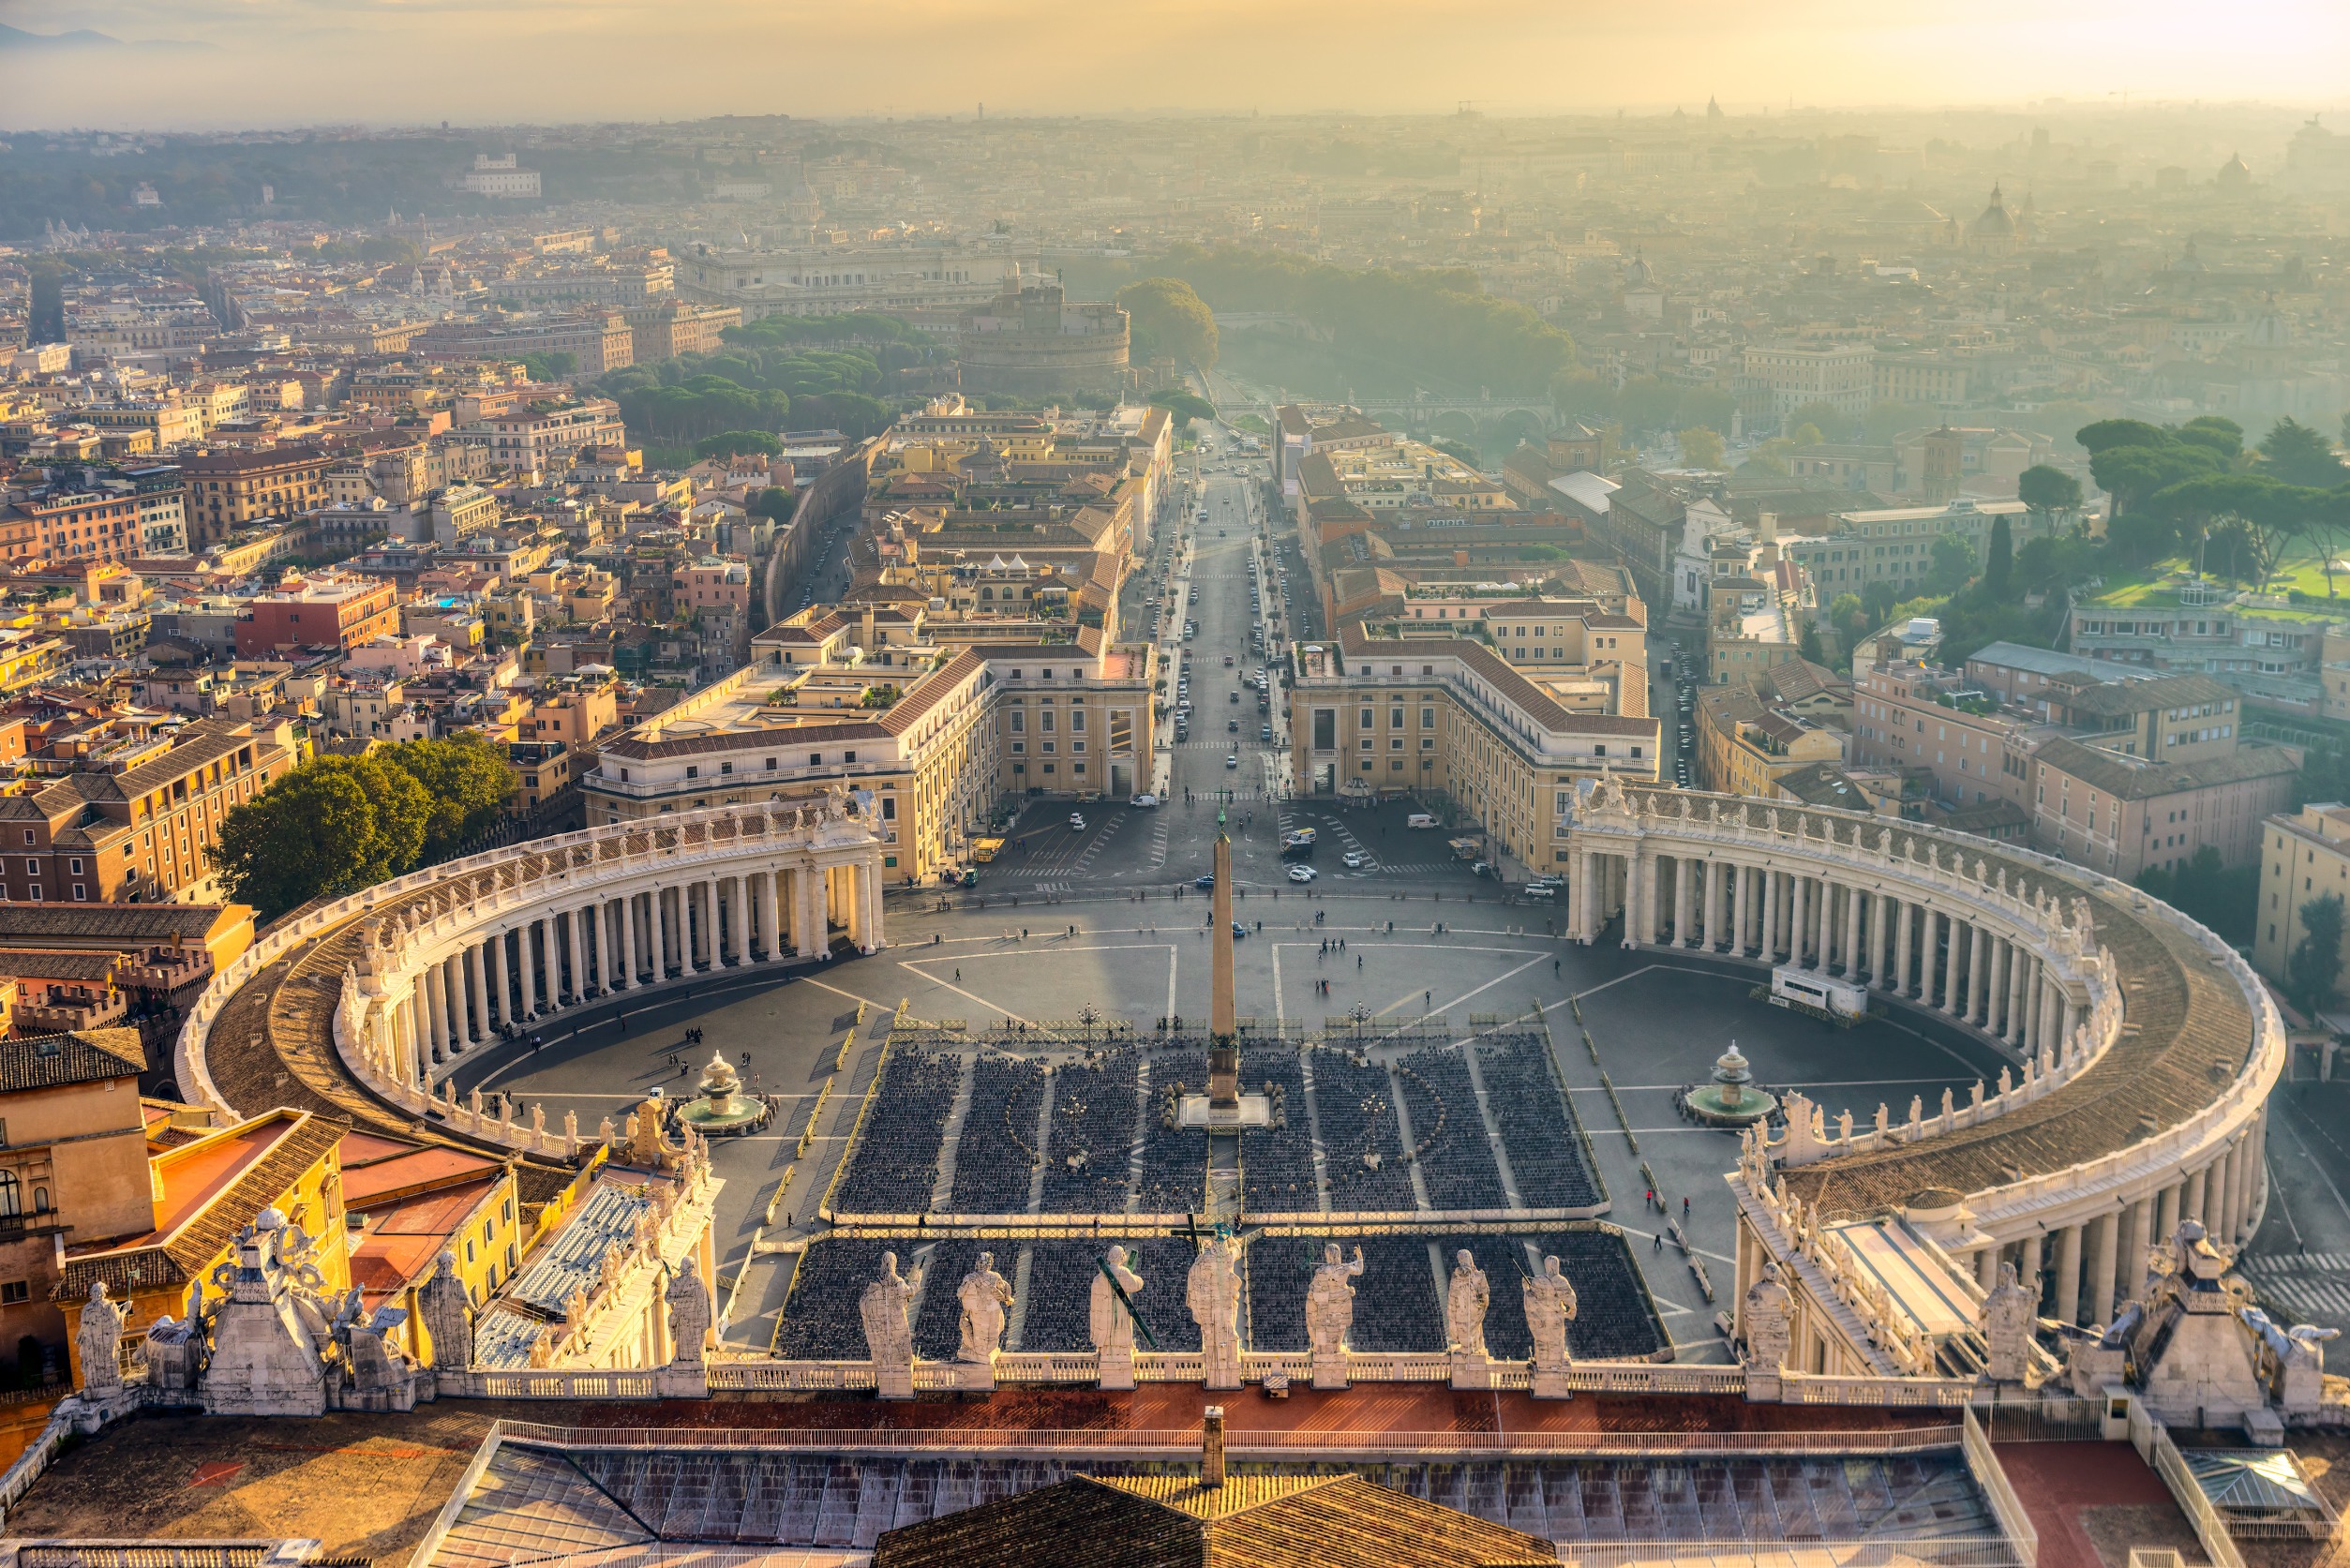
(2194,489)
(334,824)
(1437,323)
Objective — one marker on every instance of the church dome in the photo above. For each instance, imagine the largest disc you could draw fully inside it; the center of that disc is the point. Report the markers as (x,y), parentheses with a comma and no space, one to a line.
(1638,274)
(2234,173)
(1995,223)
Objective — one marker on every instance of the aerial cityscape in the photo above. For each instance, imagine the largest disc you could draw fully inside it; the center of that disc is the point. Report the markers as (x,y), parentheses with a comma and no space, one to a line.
(1395,788)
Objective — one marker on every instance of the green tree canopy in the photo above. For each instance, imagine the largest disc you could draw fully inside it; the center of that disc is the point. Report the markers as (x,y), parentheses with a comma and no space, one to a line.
(737,443)
(2108,433)
(335,825)
(2313,968)
(1170,320)
(2297,454)
(1998,561)
(2047,490)
(469,782)
(2223,436)
(1953,564)
(332,825)
(1185,404)
(1703,448)
(776,502)
(2131,473)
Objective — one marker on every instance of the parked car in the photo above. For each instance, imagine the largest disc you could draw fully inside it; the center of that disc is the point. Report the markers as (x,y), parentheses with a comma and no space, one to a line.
(1076,822)
(1302,873)
(1354,860)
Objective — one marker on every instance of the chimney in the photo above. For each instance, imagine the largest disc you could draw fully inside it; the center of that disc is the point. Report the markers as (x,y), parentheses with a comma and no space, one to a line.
(1212,1448)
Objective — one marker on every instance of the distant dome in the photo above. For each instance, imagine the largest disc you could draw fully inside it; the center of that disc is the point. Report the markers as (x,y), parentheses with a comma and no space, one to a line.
(1638,274)
(1995,223)
(2234,174)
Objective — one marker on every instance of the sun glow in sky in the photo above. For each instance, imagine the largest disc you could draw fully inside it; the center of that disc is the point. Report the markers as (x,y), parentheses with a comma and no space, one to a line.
(505,59)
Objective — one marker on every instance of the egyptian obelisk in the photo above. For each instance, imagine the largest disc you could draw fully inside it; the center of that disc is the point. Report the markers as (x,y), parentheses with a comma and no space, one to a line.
(1223,1050)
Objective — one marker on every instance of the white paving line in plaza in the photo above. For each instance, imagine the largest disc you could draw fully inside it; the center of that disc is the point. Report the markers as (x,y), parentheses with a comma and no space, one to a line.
(849,996)
(1852,1084)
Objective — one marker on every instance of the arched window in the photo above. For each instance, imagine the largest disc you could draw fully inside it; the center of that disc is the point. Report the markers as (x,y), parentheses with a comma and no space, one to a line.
(40,1200)
(11,1199)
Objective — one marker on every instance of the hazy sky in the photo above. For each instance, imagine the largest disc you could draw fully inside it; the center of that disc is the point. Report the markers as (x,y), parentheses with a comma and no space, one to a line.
(482,61)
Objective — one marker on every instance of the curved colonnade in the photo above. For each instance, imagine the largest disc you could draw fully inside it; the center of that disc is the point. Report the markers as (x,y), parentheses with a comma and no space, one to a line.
(444,963)
(2142,1048)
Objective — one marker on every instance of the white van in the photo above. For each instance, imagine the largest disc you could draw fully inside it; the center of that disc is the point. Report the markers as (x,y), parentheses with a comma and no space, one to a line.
(1419,820)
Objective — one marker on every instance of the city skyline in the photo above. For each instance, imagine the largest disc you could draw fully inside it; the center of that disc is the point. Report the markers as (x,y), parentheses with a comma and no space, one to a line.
(179,64)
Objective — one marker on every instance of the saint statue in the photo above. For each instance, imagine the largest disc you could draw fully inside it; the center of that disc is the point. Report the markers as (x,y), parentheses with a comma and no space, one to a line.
(100,1339)
(689,1317)
(1550,1307)
(984,1294)
(1110,1321)
(1329,1313)
(2010,1315)
(1212,1292)
(1465,1301)
(889,1335)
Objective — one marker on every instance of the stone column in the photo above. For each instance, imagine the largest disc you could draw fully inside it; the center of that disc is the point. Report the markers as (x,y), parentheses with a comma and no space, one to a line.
(779,943)
(2016,967)
(450,982)
(2032,1271)
(1852,897)
(2102,1264)
(1796,921)
(2070,1020)
(1978,977)
(577,915)
(527,949)
(1905,917)
(1987,1266)
(2239,1187)
(629,970)
(1879,919)
(1715,873)
(2198,1186)
(2166,1212)
(1954,994)
(2069,1274)
(1770,893)
(2130,1279)
(436,1011)
(500,977)
(2218,1188)
(813,933)
(1652,895)
(479,973)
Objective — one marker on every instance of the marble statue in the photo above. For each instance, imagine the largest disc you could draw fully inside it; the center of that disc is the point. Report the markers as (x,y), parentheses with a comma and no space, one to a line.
(1110,1322)
(1551,1305)
(1465,1301)
(2009,1313)
(1764,1319)
(1329,1313)
(689,1317)
(448,1317)
(889,1335)
(984,1294)
(1212,1292)
(99,1341)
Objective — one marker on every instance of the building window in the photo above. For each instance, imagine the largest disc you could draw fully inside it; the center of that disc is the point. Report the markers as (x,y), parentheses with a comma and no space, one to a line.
(12,1194)
(15,1292)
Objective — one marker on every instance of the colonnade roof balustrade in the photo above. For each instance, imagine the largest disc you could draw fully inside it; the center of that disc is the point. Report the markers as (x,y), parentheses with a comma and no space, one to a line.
(277,1027)
(2197,1047)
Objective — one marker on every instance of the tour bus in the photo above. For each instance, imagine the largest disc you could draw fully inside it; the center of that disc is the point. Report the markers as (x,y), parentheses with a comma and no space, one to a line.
(1805,991)
(985,850)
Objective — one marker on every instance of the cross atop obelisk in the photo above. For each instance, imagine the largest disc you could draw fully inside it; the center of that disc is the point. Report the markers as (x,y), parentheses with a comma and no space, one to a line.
(1223,1051)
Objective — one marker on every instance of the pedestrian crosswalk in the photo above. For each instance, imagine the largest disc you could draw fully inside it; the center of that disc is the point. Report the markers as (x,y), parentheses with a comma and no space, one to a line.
(2304,1287)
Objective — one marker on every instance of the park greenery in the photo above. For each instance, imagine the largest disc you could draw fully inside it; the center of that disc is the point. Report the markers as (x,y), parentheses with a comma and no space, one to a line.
(809,373)
(1433,325)
(334,824)
(1169,320)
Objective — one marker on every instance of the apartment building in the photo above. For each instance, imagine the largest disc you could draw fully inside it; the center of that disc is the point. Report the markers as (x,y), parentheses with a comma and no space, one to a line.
(1896,544)
(1746,746)
(1777,379)
(331,609)
(541,438)
(598,341)
(873,702)
(2264,646)
(1432,720)
(71,525)
(2305,855)
(2122,815)
(229,488)
(933,283)
(135,821)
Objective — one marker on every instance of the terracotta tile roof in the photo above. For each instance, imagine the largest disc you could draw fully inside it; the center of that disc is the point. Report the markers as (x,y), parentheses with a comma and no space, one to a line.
(1168,1522)
(2139,779)
(85,1056)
